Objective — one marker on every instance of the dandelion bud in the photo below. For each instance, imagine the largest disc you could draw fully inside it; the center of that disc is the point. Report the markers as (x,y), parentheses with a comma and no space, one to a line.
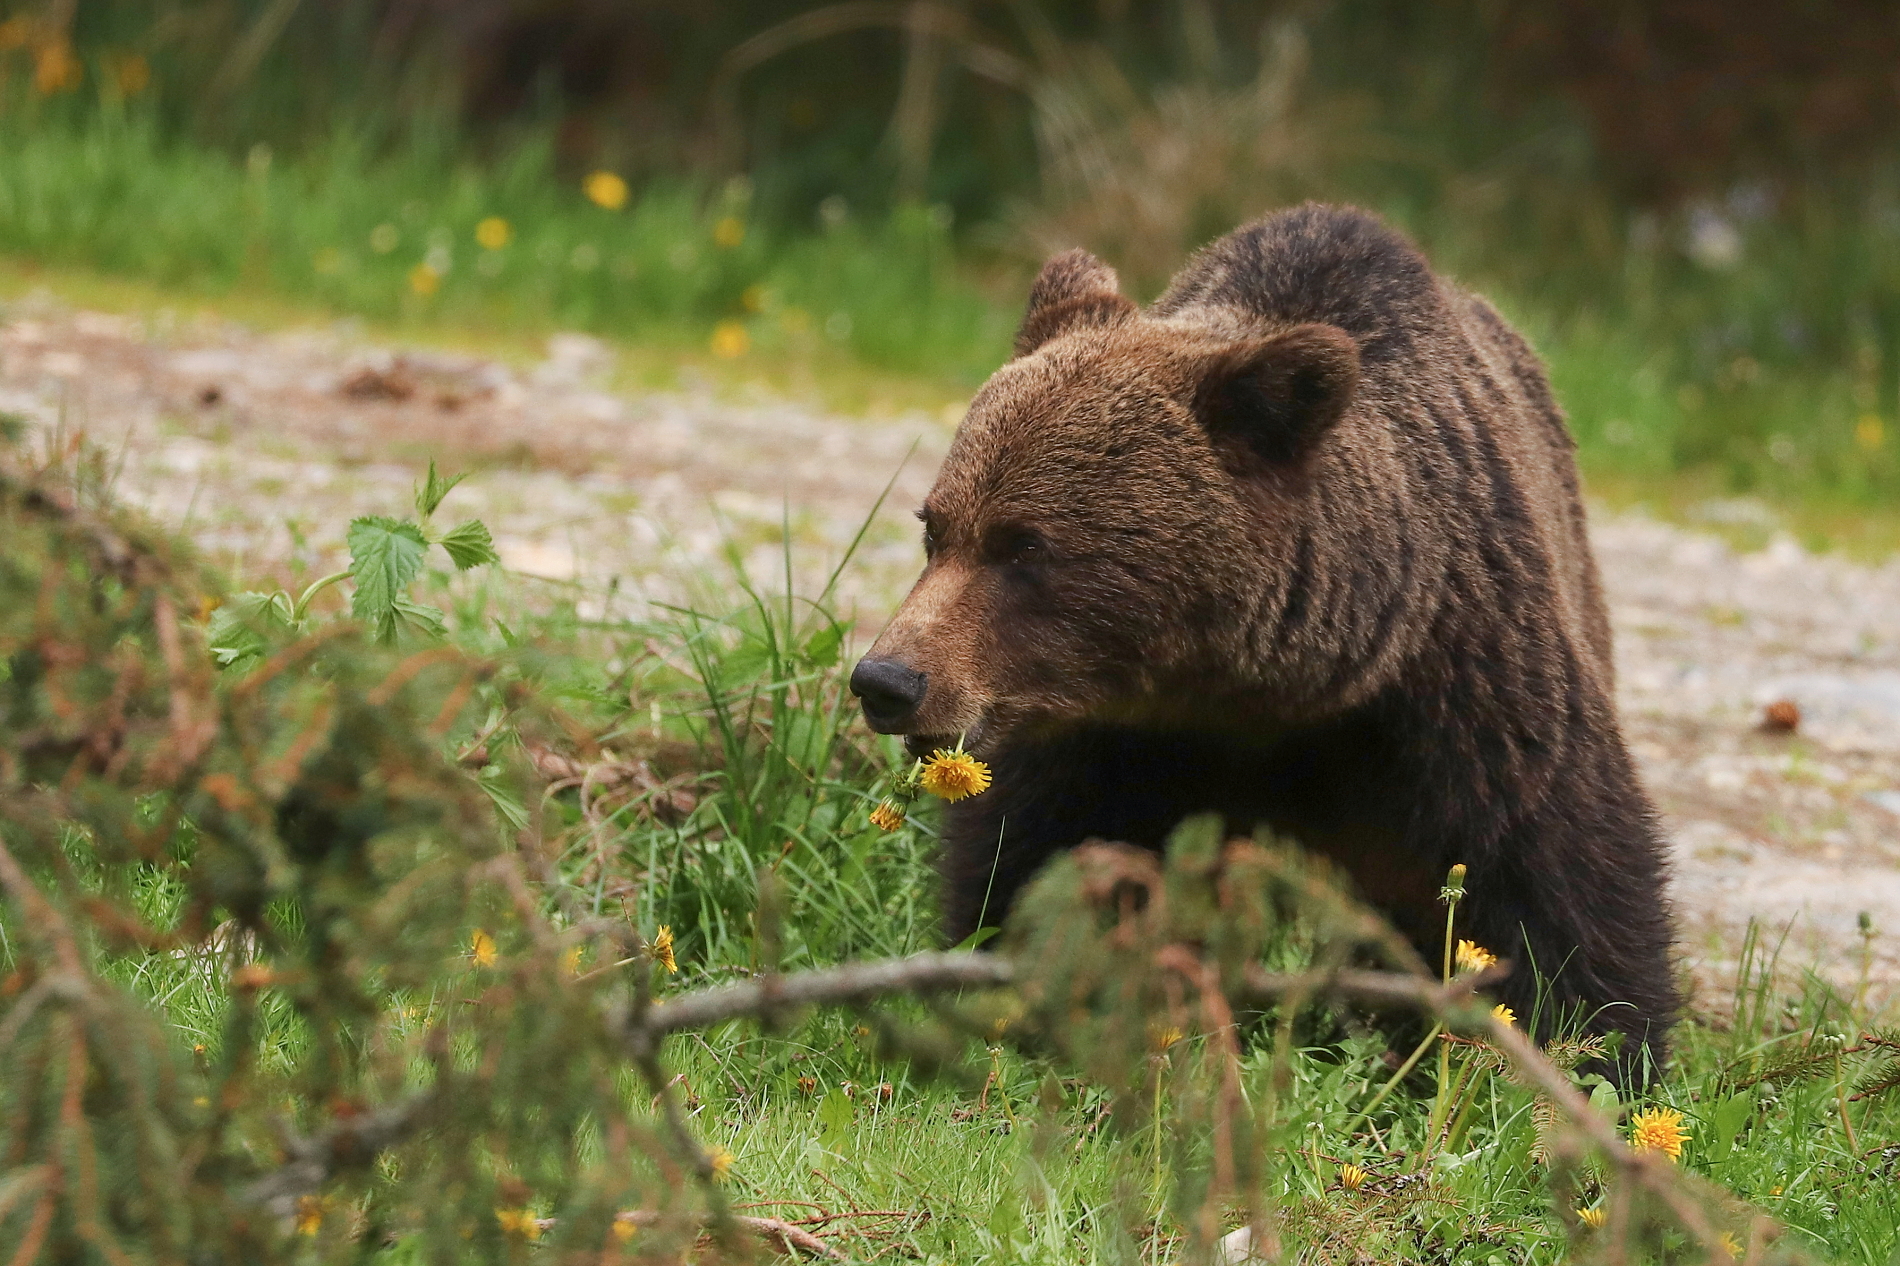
(1454,889)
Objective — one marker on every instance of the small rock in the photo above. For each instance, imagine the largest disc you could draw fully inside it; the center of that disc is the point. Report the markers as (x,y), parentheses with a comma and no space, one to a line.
(1783,716)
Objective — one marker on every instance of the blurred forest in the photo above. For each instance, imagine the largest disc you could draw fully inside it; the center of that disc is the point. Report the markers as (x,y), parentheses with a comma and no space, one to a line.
(1694,205)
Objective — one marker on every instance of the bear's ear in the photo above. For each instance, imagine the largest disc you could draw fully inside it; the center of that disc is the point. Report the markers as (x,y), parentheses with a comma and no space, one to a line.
(1279,395)
(1073,289)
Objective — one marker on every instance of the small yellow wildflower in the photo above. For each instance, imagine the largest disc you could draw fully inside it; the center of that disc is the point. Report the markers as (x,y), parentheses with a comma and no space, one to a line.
(571,960)
(729,232)
(481,949)
(624,1227)
(955,775)
(662,948)
(494,233)
(1351,1177)
(1162,1036)
(424,280)
(1658,1130)
(721,1161)
(309,1215)
(520,1222)
(1733,1245)
(1870,432)
(729,340)
(888,816)
(132,74)
(56,69)
(605,189)
(1504,1013)
(1593,1218)
(1472,956)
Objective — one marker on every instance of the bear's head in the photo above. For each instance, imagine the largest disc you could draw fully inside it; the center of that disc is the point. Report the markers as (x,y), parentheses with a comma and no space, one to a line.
(1110,520)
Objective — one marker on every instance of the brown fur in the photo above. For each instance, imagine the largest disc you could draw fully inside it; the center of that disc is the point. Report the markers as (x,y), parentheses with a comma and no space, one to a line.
(1301,544)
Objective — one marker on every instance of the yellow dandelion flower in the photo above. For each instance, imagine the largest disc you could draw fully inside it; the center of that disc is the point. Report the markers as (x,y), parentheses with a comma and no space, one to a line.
(132,73)
(1351,1177)
(309,1215)
(605,189)
(571,960)
(56,69)
(888,816)
(424,280)
(1473,957)
(1593,1218)
(721,1161)
(729,340)
(1870,432)
(1658,1130)
(1730,1243)
(662,948)
(955,775)
(1162,1036)
(729,232)
(481,949)
(1504,1013)
(521,1222)
(494,233)
(624,1227)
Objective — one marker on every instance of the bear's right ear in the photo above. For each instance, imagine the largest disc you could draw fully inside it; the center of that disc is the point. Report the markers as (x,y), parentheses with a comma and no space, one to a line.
(1074,289)
(1279,395)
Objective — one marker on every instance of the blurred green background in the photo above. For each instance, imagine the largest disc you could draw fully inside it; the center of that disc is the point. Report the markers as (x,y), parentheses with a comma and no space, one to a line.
(1692,206)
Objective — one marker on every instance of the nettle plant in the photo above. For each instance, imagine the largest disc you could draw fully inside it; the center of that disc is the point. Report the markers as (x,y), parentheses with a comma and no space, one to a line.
(386,557)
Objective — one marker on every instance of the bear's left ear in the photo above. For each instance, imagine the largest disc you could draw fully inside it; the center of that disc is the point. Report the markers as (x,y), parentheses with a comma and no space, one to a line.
(1279,395)
(1074,289)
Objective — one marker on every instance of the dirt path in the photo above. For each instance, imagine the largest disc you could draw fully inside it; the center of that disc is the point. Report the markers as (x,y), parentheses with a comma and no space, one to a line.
(265,447)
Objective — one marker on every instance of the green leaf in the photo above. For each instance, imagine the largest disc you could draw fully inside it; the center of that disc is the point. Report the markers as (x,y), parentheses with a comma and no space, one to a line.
(416,617)
(822,649)
(430,492)
(469,545)
(506,802)
(385,556)
(246,625)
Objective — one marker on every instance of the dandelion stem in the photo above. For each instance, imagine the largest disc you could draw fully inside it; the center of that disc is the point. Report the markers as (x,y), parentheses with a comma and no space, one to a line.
(1840,1102)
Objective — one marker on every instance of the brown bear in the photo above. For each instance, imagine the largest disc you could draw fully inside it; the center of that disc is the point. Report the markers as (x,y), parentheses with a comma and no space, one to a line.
(1302,545)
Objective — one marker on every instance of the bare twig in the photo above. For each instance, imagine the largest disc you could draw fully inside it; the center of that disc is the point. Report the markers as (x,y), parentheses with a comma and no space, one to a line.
(346,1145)
(852,983)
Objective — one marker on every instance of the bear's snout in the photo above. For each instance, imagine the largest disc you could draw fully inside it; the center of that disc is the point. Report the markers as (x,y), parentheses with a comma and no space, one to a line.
(889,691)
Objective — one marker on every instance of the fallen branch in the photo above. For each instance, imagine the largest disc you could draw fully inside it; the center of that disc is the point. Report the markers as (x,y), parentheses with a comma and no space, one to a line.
(830,986)
(784,1235)
(349,1144)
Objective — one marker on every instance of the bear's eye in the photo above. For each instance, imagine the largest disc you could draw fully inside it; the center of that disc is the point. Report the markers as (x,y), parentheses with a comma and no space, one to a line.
(930,541)
(1018,547)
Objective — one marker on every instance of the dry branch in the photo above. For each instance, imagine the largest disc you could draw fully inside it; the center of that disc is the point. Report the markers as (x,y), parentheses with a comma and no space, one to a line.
(830,986)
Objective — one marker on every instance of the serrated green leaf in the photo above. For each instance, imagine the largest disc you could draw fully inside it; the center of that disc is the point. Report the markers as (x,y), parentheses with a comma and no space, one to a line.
(244,627)
(822,649)
(417,617)
(469,545)
(385,556)
(431,491)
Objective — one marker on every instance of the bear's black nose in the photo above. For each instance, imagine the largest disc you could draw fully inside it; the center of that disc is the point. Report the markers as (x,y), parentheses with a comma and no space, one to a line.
(889,691)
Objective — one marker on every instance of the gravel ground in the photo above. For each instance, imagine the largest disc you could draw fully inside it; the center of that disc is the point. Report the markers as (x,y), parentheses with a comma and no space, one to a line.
(264,446)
